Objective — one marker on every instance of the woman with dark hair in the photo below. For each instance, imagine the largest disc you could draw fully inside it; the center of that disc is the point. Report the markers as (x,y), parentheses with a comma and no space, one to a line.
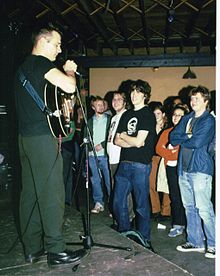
(160,210)
(170,156)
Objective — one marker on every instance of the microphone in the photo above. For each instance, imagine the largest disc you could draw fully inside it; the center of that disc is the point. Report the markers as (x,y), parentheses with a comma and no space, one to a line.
(61,59)
(77,73)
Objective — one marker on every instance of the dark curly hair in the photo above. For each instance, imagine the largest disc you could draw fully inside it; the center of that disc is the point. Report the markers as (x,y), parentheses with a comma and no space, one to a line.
(143,87)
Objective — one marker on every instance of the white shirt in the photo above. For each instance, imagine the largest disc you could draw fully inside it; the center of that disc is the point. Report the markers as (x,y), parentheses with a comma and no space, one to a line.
(113,150)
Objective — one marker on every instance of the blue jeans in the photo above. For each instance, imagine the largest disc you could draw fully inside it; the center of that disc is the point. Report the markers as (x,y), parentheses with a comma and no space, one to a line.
(132,177)
(97,192)
(196,189)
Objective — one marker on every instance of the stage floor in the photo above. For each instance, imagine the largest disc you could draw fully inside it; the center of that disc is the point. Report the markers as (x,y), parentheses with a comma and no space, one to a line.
(102,261)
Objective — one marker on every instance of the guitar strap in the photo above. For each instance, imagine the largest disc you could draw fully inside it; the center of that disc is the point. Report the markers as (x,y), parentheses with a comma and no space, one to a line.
(33,93)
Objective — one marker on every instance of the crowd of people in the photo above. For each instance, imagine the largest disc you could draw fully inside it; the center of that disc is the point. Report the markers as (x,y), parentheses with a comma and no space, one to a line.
(161,163)
(156,159)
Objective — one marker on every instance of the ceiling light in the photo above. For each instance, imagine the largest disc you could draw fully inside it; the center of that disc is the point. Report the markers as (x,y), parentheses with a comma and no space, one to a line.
(155,68)
(170,16)
(189,74)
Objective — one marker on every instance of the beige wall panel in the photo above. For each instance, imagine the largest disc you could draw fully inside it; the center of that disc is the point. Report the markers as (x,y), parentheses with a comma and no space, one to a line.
(166,81)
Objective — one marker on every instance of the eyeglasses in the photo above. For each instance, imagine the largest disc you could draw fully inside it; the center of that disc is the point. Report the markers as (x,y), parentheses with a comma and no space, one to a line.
(177,115)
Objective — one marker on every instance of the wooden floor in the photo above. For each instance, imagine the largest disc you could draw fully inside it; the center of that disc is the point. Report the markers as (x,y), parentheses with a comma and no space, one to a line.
(100,260)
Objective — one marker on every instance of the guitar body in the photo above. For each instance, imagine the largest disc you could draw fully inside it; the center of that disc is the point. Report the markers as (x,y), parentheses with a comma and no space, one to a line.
(59,102)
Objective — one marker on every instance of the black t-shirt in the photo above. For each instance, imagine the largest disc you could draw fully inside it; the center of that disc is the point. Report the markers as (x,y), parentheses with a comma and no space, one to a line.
(31,120)
(132,121)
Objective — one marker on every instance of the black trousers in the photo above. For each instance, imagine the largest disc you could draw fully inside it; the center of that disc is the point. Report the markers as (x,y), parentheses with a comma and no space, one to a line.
(177,209)
(42,196)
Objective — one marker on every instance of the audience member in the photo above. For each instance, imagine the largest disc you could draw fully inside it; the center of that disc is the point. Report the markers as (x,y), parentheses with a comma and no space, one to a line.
(79,123)
(136,136)
(194,133)
(119,106)
(212,146)
(184,94)
(125,86)
(98,161)
(170,156)
(159,210)
(108,98)
(168,104)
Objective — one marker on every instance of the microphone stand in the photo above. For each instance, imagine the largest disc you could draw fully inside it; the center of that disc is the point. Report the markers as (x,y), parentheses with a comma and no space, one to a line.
(87,239)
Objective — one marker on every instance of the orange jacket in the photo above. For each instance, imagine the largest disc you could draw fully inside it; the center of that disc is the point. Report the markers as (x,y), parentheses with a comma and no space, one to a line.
(162,147)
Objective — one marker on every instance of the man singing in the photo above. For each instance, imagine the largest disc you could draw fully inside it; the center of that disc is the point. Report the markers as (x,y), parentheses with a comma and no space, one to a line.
(42,196)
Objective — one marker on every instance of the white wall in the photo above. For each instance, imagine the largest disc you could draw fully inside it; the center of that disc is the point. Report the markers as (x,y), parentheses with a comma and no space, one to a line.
(166,81)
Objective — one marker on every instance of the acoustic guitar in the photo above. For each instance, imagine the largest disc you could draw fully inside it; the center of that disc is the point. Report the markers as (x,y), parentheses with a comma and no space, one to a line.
(61,104)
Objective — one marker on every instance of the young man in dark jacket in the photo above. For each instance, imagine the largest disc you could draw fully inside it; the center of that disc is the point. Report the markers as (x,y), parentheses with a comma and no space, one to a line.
(194,133)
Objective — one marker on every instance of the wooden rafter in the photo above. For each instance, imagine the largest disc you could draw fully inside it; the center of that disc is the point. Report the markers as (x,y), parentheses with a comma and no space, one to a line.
(193,19)
(144,24)
(124,24)
(88,7)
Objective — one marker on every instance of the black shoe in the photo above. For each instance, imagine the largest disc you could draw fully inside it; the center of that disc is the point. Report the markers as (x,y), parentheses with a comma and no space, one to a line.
(65,257)
(33,258)
(114,226)
(155,215)
(163,218)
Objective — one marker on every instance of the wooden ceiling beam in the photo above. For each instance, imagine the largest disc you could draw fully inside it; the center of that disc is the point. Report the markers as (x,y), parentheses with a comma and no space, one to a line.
(207,3)
(211,26)
(164,60)
(194,24)
(119,19)
(156,32)
(136,33)
(173,42)
(69,9)
(116,34)
(120,22)
(144,24)
(167,23)
(131,6)
(191,6)
(162,4)
(55,6)
(103,6)
(72,6)
(125,6)
(183,35)
(88,7)
(193,18)
(151,8)
(182,2)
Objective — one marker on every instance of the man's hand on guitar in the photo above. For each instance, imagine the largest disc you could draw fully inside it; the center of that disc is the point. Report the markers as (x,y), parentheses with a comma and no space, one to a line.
(70,68)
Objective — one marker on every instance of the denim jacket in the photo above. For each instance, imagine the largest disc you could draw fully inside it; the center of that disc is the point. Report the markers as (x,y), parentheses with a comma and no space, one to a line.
(202,136)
